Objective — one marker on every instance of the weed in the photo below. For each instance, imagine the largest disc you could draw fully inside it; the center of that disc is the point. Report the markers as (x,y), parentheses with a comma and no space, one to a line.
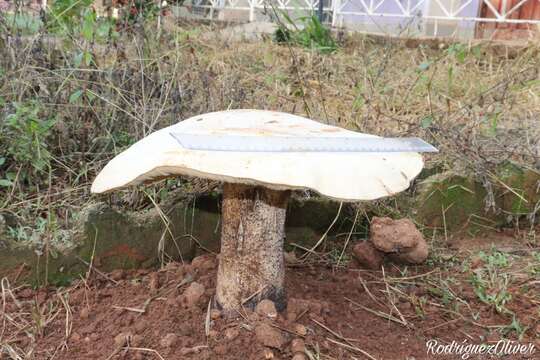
(514,327)
(310,33)
(490,283)
(25,134)
(495,258)
(492,290)
(534,266)
(35,236)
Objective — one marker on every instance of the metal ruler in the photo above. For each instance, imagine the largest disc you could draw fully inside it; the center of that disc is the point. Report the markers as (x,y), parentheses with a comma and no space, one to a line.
(300,144)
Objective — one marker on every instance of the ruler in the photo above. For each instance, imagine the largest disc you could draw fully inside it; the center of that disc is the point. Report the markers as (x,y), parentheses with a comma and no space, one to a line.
(300,144)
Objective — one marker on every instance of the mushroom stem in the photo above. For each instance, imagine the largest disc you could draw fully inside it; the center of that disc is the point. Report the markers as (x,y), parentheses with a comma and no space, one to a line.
(251,264)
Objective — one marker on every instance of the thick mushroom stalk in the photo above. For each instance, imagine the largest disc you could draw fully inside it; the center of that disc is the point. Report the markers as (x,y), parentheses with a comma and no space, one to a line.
(251,264)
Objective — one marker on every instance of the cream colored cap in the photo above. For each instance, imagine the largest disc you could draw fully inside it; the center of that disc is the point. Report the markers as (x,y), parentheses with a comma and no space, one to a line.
(344,176)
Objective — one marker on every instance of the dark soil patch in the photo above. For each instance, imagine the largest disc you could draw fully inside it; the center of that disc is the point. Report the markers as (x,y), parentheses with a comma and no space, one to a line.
(150,315)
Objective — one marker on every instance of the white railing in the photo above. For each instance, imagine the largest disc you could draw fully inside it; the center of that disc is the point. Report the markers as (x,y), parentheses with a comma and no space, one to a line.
(465,10)
(345,13)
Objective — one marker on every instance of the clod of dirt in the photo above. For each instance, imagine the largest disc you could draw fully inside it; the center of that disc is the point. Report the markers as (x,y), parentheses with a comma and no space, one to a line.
(269,336)
(189,350)
(415,256)
(203,263)
(298,346)
(290,258)
(169,340)
(266,308)
(297,307)
(122,339)
(299,357)
(193,294)
(118,274)
(300,329)
(215,314)
(392,236)
(85,313)
(231,333)
(400,238)
(75,337)
(368,256)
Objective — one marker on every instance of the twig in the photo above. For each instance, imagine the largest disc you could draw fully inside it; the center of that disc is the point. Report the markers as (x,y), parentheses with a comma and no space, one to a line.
(352,347)
(128,348)
(312,250)
(208,319)
(391,300)
(254,294)
(379,313)
(141,310)
(99,272)
(348,237)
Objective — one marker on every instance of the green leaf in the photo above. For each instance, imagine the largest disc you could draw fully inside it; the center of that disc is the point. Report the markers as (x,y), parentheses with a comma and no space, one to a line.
(87,58)
(90,96)
(12,119)
(5,182)
(2,161)
(358,103)
(87,30)
(461,55)
(75,96)
(103,29)
(426,122)
(77,60)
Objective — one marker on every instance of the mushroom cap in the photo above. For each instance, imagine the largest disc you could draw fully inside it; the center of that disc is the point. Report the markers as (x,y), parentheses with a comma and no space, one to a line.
(344,176)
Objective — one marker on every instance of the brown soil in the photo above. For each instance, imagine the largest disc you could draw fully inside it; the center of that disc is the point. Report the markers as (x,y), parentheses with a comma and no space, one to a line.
(164,314)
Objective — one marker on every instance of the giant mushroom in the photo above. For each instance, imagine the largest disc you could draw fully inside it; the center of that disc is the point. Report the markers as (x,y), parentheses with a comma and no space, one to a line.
(257,186)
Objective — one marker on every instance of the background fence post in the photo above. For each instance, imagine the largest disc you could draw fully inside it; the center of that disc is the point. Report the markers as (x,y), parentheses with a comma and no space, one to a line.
(252,10)
(336,7)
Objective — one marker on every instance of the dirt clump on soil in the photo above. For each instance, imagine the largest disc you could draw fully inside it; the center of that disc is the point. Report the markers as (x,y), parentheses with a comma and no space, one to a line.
(367,255)
(326,317)
(267,309)
(400,239)
(270,336)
